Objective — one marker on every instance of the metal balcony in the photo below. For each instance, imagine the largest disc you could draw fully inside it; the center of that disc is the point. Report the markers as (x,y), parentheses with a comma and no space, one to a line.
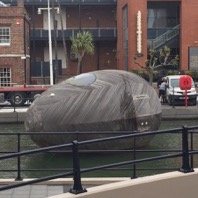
(66,2)
(98,33)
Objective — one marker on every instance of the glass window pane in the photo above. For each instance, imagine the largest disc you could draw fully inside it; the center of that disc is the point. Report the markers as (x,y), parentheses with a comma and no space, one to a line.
(4,35)
(5,77)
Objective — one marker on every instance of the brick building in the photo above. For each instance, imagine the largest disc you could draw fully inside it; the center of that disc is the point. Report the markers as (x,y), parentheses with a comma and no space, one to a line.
(14,45)
(171,23)
(113,24)
(94,16)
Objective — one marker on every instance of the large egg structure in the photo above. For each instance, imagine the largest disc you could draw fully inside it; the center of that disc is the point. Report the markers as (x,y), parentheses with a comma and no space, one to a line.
(99,101)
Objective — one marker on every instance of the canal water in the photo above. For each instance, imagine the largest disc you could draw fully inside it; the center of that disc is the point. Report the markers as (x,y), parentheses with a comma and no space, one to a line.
(63,161)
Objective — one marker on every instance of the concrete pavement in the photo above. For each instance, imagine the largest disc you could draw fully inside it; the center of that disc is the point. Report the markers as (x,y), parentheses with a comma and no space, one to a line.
(34,191)
(179,112)
(52,187)
(11,115)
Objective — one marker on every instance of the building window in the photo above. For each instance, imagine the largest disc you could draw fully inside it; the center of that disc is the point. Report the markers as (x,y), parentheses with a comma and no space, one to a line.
(125,36)
(162,18)
(4,36)
(193,58)
(5,77)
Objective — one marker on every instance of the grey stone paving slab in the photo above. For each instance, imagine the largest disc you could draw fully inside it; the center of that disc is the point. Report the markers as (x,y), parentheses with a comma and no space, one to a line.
(22,191)
(33,191)
(20,196)
(39,190)
(7,192)
(37,196)
(6,196)
(54,190)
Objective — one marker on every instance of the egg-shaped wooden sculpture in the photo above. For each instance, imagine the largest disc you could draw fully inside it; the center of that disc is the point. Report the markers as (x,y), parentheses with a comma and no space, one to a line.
(94,102)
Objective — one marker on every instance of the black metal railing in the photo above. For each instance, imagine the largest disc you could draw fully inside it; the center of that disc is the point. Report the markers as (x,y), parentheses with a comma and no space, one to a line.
(98,33)
(68,2)
(185,152)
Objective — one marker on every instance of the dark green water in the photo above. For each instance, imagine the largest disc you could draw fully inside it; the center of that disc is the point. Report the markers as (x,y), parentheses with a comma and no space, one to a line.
(64,161)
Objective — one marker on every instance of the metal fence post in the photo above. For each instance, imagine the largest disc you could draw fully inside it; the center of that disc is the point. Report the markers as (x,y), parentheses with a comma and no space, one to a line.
(134,158)
(185,152)
(14,103)
(18,178)
(173,101)
(77,187)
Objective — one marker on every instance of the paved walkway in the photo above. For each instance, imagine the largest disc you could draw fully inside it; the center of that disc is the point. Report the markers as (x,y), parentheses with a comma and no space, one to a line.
(56,187)
(34,191)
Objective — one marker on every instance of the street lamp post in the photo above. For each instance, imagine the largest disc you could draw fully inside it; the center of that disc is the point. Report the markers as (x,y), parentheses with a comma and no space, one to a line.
(49,39)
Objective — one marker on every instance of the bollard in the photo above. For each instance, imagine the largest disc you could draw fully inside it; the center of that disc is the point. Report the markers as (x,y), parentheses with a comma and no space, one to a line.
(185,152)
(77,187)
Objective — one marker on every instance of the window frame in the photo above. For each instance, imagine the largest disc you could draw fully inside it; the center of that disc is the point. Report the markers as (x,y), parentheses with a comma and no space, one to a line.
(5,35)
(5,77)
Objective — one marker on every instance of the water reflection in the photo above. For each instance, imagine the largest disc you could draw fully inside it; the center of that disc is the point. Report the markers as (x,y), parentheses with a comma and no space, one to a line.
(63,161)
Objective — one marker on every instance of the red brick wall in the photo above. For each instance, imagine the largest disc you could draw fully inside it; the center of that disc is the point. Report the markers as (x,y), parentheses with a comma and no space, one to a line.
(13,17)
(91,16)
(120,50)
(189,29)
(36,19)
(17,69)
(133,8)
(9,18)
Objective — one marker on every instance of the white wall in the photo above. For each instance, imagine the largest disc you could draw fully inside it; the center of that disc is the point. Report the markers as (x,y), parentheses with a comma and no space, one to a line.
(57,17)
(60,55)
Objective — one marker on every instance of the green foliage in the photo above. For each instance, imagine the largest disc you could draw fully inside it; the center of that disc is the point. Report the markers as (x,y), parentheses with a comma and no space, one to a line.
(156,74)
(157,60)
(193,74)
(82,44)
(141,73)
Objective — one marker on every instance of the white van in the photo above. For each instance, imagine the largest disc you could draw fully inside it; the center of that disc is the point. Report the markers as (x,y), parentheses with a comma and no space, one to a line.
(176,95)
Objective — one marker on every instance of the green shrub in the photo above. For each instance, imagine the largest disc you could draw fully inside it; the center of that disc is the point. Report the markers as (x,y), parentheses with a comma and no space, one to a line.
(157,74)
(193,74)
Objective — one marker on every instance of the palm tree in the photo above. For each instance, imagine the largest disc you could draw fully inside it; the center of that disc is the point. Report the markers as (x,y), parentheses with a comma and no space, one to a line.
(81,44)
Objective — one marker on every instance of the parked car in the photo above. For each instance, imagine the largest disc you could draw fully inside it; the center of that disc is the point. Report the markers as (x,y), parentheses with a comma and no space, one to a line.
(176,95)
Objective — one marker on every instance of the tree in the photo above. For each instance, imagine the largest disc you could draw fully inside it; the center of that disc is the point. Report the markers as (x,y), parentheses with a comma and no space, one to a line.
(156,60)
(81,44)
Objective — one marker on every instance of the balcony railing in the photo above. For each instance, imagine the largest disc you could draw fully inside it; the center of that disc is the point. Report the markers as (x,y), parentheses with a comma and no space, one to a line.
(98,33)
(163,38)
(66,2)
